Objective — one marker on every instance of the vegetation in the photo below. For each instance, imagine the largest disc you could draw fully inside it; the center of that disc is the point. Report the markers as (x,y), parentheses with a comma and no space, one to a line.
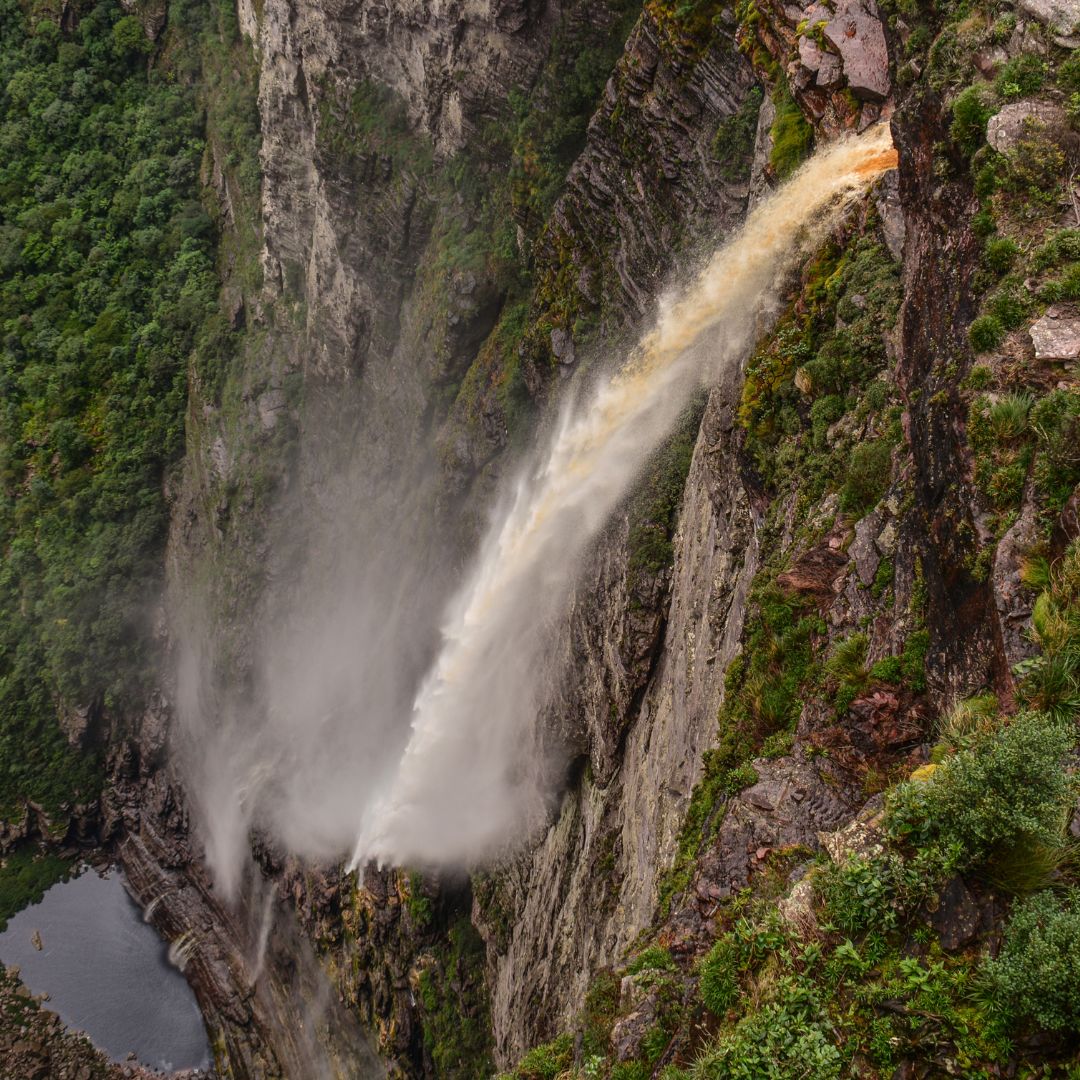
(25,876)
(733,146)
(453,1005)
(792,136)
(107,280)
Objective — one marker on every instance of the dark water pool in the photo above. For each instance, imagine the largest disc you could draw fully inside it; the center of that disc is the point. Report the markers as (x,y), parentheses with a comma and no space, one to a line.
(107,973)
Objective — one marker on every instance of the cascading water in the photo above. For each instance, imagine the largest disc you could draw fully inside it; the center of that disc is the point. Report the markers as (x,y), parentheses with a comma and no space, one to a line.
(470,779)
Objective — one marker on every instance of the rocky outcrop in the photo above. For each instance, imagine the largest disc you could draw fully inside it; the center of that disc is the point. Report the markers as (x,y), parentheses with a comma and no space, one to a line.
(35,1045)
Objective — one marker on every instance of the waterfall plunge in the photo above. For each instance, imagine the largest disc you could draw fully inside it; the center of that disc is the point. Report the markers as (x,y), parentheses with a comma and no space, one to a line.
(471,780)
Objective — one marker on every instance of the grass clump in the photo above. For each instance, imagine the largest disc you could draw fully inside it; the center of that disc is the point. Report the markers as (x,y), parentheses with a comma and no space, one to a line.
(718,975)
(545,1062)
(986,333)
(867,477)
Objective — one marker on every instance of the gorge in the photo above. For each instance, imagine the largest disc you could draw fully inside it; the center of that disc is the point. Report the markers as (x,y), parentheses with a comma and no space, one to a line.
(540,535)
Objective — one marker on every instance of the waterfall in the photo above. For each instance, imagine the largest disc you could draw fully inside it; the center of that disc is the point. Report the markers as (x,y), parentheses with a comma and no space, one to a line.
(471,779)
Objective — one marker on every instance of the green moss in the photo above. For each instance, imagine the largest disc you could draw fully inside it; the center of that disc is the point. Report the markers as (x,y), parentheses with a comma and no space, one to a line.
(867,477)
(656,504)
(791,135)
(453,999)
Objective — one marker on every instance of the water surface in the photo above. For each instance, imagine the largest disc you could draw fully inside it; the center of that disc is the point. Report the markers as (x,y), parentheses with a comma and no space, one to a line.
(107,973)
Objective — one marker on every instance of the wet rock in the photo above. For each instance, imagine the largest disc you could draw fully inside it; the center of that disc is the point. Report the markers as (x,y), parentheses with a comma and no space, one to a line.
(864,551)
(1012,597)
(816,571)
(562,346)
(887,200)
(627,1034)
(1056,336)
(797,909)
(271,404)
(793,803)
(861,837)
(822,68)
(857,34)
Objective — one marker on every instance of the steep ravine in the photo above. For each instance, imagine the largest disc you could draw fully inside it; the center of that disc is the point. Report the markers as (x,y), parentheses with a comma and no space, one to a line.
(459,212)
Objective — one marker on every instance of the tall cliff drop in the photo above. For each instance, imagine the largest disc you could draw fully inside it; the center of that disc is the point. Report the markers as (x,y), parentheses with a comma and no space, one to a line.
(480,655)
(471,778)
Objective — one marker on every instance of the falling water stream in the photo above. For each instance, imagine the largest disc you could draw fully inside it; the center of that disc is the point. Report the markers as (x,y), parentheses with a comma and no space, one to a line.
(470,780)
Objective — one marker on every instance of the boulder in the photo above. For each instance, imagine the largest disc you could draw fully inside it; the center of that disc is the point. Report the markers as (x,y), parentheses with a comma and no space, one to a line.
(855,31)
(1062,16)
(1056,336)
(1014,122)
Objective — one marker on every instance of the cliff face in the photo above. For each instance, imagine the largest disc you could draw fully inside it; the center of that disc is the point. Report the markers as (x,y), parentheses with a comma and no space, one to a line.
(357,336)
(458,210)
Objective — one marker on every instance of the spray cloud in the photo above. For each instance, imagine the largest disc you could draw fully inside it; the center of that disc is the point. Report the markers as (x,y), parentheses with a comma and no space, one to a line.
(316,749)
(470,780)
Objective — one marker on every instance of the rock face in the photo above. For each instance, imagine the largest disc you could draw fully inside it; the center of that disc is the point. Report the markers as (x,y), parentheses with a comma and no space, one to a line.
(855,31)
(360,331)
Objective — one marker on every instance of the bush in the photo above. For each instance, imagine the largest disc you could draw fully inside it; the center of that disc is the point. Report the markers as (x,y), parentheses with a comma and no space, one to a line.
(1007,790)
(1036,976)
(867,478)
(970,114)
(790,1038)
(1000,254)
(856,894)
(546,1062)
(1021,76)
(986,333)
(1056,422)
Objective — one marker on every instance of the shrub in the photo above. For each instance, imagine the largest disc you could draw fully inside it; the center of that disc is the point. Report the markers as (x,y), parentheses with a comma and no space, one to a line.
(1036,976)
(970,114)
(986,333)
(1000,254)
(1021,76)
(867,477)
(1006,790)
(856,894)
(1056,422)
(790,1038)
(546,1062)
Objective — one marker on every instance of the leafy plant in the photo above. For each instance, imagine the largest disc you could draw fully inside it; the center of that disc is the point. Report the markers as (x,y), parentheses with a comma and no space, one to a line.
(1036,976)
